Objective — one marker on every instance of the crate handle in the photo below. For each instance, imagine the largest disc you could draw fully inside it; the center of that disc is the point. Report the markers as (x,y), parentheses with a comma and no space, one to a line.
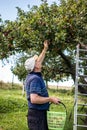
(61,104)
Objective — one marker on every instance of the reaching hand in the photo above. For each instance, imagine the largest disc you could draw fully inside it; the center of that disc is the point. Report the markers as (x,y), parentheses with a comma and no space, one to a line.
(46,43)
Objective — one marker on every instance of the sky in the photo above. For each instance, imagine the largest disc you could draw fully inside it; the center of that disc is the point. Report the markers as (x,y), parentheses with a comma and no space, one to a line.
(8,7)
(8,11)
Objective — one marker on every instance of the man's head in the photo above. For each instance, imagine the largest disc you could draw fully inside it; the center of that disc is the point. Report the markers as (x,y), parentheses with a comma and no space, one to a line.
(30,63)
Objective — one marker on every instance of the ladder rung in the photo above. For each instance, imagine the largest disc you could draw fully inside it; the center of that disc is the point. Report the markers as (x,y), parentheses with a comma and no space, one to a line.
(81,114)
(80,67)
(82,94)
(82,58)
(81,125)
(82,75)
(82,84)
(83,50)
(82,104)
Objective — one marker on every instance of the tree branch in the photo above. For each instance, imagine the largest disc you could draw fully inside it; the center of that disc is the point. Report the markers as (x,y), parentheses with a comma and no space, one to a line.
(68,63)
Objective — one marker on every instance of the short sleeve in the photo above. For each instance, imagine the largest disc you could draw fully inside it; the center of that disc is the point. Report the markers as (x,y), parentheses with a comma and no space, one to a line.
(35,86)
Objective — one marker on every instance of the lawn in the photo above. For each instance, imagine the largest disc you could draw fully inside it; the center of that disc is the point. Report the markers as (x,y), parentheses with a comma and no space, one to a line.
(13,109)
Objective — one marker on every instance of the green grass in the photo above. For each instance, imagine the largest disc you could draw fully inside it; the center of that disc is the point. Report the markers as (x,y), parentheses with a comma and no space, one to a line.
(13,121)
(13,108)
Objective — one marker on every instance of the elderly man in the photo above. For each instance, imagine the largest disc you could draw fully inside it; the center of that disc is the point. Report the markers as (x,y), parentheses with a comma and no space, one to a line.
(37,95)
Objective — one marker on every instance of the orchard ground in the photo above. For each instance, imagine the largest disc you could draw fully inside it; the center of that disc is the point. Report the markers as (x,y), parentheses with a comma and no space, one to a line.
(13,107)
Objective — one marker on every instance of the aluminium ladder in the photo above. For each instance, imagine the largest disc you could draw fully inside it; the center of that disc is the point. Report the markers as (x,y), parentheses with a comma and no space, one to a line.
(79,60)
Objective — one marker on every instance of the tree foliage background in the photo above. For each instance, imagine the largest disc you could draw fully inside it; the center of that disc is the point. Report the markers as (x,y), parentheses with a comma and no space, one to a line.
(64,25)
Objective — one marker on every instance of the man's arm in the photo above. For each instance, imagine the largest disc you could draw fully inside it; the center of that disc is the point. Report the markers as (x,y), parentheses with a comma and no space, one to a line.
(36,99)
(42,55)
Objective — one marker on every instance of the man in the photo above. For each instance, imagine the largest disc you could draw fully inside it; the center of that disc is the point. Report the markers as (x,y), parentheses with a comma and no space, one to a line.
(37,95)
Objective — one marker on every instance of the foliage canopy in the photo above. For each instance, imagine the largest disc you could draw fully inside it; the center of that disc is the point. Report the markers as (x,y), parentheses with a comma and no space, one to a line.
(64,25)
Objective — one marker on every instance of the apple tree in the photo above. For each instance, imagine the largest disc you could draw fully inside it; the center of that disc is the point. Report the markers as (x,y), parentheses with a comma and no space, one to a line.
(64,25)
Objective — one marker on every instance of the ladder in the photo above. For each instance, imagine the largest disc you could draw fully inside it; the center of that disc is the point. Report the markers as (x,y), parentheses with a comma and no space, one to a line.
(79,59)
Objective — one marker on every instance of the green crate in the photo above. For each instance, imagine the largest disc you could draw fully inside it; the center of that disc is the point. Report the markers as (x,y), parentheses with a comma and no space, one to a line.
(56,120)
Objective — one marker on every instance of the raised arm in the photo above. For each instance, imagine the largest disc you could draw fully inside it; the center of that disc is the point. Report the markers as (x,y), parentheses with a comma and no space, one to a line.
(42,55)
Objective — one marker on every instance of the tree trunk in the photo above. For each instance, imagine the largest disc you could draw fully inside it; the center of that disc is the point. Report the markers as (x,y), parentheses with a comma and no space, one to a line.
(72,72)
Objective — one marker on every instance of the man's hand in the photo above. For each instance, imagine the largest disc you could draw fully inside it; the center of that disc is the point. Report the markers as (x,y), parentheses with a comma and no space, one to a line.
(46,43)
(54,100)
(42,55)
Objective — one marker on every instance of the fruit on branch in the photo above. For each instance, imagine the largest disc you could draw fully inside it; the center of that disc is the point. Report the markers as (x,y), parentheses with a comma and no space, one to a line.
(10,47)
(6,32)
